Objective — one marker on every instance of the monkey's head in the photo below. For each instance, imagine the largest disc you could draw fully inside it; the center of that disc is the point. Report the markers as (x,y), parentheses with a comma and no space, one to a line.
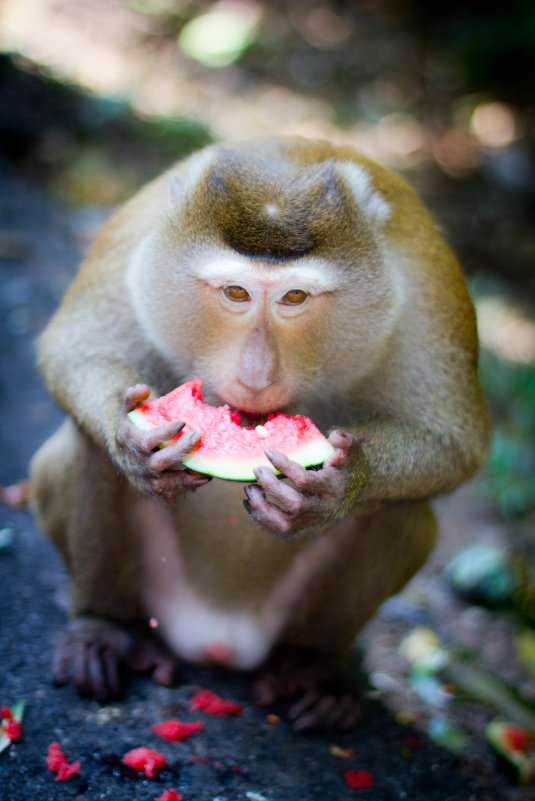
(263,266)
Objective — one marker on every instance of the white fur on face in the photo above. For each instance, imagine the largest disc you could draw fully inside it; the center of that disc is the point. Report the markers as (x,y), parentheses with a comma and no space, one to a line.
(313,276)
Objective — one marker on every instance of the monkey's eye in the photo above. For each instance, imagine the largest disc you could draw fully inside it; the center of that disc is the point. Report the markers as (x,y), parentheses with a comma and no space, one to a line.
(236,292)
(294,297)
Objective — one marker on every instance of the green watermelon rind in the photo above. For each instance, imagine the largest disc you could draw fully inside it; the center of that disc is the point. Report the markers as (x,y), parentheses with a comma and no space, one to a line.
(139,420)
(308,454)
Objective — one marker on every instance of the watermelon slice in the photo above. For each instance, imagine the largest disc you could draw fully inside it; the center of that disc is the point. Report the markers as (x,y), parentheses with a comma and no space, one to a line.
(228,450)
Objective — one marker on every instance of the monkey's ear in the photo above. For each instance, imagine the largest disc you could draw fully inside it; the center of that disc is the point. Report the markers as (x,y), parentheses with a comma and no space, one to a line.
(176,189)
(370,200)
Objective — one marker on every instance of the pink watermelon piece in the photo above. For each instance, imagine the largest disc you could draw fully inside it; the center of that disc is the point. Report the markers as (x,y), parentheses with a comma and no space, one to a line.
(228,450)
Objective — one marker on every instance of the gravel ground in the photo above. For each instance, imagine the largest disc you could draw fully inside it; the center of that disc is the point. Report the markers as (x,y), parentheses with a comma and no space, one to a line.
(40,245)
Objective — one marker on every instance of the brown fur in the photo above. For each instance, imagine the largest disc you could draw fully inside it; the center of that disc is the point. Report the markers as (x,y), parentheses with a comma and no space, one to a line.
(389,353)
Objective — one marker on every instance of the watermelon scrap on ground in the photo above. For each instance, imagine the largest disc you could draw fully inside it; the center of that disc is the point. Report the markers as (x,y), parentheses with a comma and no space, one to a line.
(145,760)
(213,704)
(174,730)
(227,449)
(358,779)
(170,795)
(56,762)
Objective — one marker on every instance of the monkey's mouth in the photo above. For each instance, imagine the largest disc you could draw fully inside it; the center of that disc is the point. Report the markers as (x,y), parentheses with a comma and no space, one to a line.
(253,415)
(250,419)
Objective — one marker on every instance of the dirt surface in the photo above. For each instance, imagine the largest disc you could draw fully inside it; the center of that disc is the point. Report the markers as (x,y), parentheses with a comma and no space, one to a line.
(40,244)
(274,763)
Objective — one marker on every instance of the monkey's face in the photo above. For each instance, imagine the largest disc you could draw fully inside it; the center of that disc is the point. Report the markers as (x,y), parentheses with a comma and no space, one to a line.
(263,335)
(261,330)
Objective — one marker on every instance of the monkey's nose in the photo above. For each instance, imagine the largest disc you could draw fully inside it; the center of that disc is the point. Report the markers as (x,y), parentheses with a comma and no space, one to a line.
(254,385)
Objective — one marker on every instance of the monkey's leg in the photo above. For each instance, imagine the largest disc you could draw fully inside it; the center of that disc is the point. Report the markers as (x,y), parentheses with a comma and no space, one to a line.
(87,510)
(348,572)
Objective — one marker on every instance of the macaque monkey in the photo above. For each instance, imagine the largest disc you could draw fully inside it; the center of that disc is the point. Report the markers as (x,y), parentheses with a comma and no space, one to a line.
(289,275)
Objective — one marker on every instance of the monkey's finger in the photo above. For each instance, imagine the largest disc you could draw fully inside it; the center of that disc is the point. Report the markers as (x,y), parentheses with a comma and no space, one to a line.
(346,445)
(350,710)
(304,704)
(111,668)
(327,711)
(184,480)
(80,669)
(265,513)
(133,396)
(170,458)
(148,655)
(166,672)
(264,691)
(96,678)
(156,437)
(145,442)
(172,483)
(313,481)
(291,500)
(193,481)
(322,715)
(60,665)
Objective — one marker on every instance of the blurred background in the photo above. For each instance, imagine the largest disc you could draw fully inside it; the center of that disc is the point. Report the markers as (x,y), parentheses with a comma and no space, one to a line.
(96,96)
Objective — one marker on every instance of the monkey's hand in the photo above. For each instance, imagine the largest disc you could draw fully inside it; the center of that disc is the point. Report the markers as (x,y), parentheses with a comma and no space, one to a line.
(151,468)
(318,497)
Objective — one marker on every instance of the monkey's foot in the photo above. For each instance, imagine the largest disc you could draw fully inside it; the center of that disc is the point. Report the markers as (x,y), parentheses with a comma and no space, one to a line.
(326,696)
(15,496)
(93,651)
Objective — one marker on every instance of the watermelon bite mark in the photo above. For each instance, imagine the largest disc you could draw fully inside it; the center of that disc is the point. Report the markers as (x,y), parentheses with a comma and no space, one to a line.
(227,449)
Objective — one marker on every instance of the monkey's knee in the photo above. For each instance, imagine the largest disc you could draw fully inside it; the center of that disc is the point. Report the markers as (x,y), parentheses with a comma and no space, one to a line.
(378,554)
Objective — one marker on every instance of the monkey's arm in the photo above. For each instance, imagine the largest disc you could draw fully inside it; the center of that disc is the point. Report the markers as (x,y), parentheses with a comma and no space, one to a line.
(386,461)
(93,356)
(425,433)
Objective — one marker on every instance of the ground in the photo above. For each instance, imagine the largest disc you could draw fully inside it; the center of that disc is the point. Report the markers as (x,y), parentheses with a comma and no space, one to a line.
(41,242)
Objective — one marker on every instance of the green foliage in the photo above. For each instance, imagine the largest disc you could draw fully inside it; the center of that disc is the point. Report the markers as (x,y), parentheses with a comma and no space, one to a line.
(218,37)
(493,43)
(510,472)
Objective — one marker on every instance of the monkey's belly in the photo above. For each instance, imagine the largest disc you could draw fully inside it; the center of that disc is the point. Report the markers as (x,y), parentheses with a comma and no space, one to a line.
(204,582)
(220,588)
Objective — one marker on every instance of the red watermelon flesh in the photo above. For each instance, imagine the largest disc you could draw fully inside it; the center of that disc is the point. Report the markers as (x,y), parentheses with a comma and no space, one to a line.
(228,450)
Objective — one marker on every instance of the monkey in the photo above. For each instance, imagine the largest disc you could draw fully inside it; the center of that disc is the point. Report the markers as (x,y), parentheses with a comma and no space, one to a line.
(292,275)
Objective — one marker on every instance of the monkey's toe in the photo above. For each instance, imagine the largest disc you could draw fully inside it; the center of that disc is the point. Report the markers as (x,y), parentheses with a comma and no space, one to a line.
(317,710)
(90,653)
(147,654)
(93,653)
(327,696)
